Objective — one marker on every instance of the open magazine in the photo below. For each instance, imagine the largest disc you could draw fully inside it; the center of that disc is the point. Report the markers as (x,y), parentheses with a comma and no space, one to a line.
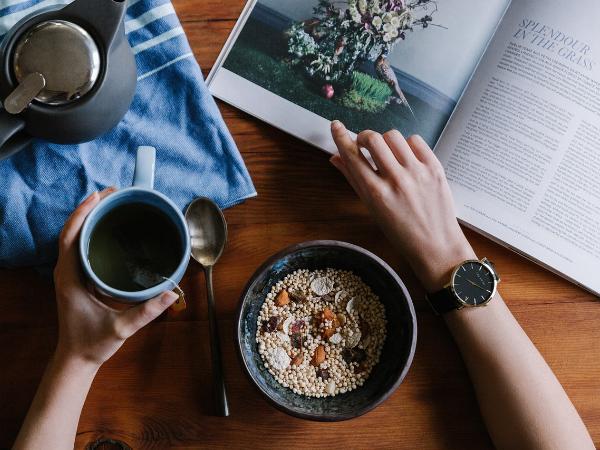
(506,92)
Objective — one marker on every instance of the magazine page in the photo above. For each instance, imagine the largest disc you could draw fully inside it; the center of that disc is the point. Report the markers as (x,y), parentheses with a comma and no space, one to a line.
(522,151)
(377,64)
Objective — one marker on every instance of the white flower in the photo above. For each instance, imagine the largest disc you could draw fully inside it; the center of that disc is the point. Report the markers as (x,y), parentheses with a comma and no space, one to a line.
(362,6)
(377,22)
(356,17)
(387,17)
(394,33)
(395,22)
(387,27)
(387,37)
(375,7)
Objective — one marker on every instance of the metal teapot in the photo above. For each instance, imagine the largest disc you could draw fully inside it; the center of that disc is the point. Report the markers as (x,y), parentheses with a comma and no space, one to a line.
(67,75)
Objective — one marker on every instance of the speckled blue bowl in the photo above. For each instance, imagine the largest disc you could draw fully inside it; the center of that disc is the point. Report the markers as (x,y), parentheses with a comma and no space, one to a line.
(398,349)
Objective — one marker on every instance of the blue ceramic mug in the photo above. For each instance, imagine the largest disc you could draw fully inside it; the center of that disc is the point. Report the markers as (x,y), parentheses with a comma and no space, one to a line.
(143,192)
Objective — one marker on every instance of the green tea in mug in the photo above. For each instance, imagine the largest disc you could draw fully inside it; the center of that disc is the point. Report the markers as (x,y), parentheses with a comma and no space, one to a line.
(134,247)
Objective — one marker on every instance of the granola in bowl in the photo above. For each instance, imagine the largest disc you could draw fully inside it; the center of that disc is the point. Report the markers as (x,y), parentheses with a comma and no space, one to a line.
(321,332)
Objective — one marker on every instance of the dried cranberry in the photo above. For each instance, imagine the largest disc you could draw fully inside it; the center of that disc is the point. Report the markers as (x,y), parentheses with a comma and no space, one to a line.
(297,326)
(348,355)
(351,355)
(296,340)
(273,323)
(323,374)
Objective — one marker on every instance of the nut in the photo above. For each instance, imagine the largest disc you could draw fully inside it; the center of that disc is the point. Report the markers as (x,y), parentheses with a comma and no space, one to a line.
(326,333)
(328,314)
(297,360)
(318,356)
(282,298)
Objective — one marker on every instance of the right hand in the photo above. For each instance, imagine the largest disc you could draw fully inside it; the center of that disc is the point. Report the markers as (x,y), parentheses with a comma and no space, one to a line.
(89,330)
(409,197)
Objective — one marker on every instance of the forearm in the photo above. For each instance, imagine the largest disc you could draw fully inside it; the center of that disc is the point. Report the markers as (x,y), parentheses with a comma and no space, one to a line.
(522,402)
(53,416)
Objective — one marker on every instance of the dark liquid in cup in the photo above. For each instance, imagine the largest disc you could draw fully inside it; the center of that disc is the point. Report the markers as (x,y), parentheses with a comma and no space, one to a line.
(134,247)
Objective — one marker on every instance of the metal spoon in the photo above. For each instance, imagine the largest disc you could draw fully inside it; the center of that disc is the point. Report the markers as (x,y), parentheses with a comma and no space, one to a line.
(208,232)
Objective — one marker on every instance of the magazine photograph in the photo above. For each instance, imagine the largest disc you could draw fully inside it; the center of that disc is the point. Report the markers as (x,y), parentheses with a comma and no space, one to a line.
(369,63)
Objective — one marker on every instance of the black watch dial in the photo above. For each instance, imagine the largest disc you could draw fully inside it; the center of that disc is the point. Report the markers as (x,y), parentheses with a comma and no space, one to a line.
(474,283)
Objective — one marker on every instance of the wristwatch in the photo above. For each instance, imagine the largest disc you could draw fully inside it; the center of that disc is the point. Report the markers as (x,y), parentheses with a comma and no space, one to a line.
(473,283)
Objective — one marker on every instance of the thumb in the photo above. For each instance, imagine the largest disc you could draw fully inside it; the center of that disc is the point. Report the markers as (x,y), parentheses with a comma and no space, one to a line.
(132,319)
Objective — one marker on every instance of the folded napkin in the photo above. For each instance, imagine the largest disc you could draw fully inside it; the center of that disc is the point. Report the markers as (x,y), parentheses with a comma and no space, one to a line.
(172,111)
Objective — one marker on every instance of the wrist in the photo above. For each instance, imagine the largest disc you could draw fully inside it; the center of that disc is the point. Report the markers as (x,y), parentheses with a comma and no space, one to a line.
(435,270)
(74,364)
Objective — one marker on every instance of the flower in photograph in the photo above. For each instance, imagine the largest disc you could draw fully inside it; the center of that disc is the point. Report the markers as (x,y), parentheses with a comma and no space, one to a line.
(377,22)
(341,36)
(362,6)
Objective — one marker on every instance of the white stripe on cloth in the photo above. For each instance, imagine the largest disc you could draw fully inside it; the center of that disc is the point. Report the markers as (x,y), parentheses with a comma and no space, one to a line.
(159,68)
(157,40)
(9,20)
(149,16)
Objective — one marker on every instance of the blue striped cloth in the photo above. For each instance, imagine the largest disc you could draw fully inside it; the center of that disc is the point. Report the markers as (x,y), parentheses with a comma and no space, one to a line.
(172,111)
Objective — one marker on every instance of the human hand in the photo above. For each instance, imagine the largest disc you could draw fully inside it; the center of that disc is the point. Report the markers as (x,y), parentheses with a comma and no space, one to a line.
(90,330)
(409,197)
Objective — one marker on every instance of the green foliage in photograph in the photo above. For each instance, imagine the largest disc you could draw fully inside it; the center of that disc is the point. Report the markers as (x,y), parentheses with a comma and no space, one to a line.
(366,94)
(260,55)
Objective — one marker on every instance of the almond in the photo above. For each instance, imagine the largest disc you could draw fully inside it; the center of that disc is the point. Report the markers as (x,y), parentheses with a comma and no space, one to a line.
(319,356)
(282,298)
(326,333)
(328,314)
(297,360)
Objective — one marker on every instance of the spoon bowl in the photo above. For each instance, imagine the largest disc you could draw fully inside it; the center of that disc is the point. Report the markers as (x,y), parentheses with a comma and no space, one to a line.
(208,230)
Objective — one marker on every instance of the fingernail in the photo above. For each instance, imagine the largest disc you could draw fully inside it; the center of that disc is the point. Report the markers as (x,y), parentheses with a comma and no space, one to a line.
(110,189)
(91,198)
(169,297)
(333,160)
(337,125)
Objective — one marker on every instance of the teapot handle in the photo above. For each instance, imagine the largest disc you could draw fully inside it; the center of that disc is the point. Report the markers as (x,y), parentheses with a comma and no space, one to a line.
(12,137)
(105,16)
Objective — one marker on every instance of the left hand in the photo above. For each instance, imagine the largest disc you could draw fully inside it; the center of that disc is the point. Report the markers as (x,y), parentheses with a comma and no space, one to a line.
(89,330)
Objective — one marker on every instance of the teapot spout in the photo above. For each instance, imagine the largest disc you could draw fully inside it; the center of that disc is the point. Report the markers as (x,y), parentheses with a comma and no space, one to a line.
(104,16)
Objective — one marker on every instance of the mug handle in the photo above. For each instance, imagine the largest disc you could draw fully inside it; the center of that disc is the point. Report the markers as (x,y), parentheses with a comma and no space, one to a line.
(11,138)
(143,175)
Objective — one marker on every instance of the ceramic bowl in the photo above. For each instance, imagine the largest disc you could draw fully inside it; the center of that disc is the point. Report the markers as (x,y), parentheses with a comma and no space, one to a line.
(399,346)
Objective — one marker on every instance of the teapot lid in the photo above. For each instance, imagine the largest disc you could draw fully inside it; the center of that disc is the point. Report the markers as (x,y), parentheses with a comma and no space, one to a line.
(65,54)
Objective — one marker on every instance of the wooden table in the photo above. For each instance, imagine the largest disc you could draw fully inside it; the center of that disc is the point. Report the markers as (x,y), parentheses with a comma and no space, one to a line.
(156,391)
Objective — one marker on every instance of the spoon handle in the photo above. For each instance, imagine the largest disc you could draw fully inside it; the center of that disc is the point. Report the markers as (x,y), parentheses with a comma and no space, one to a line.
(215,350)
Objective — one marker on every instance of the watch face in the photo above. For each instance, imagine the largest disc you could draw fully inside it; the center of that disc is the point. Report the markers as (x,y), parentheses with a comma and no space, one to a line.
(474,283)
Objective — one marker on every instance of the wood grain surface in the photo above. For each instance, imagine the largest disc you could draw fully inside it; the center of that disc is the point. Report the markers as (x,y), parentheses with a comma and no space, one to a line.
(156,392)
